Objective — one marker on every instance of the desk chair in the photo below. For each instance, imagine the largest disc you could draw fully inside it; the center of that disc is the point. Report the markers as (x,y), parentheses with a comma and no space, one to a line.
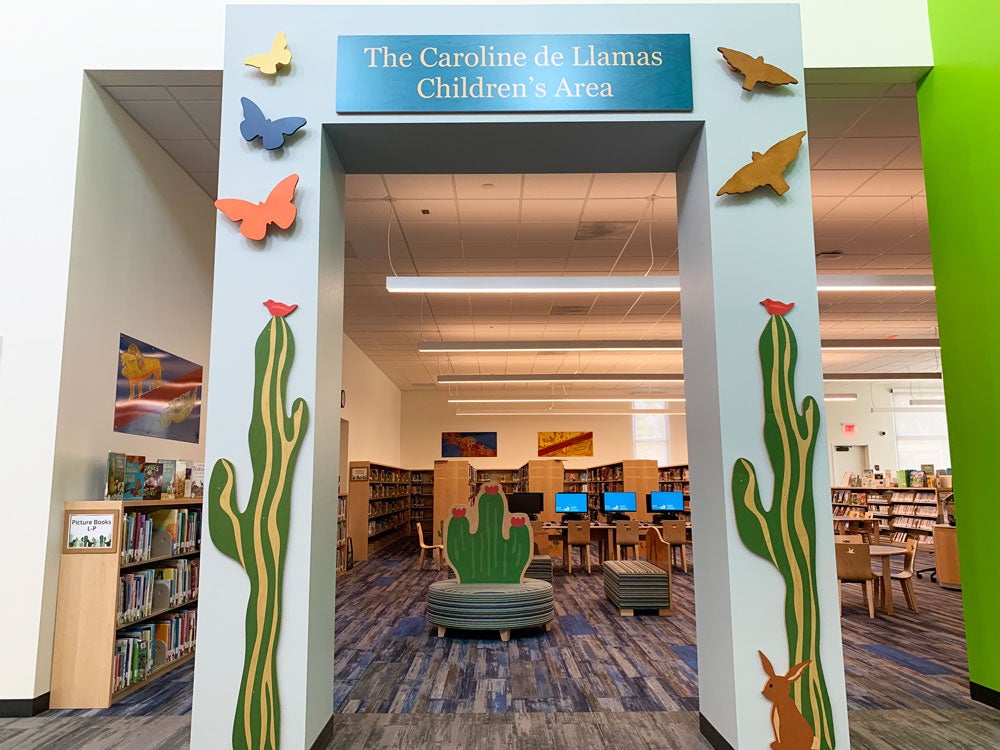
(577,535)
(854,565)
(437,550)
(675,534)
(905,577)
(626,535)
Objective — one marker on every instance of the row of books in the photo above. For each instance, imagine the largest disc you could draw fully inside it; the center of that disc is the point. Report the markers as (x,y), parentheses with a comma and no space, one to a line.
(914,523)
(132,477)
(901,537)
(923,511)
(376,491)
(675,474)
(912,497)
(141,650)
(145,591)
(381,507)
(386,522)
(165,532)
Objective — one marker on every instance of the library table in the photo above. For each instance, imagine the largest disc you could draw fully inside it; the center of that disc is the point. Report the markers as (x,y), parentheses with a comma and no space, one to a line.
(602,533)
(884,553)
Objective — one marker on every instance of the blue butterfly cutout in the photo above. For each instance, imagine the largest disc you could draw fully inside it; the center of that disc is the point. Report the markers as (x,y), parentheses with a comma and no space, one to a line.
(273,132)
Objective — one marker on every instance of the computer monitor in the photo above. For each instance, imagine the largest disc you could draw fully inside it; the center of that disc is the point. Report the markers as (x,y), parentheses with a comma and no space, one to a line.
(617,504)
(664,504)
(571,502)
(526,502)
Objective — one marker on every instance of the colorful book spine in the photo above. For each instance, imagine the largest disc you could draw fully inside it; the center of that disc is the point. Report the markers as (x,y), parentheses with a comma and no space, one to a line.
(152,488)
(167,483)
(197,480)
(116,476)
(134,477)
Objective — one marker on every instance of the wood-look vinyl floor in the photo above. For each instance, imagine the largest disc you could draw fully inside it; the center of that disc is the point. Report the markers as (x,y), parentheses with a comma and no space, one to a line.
(629,682)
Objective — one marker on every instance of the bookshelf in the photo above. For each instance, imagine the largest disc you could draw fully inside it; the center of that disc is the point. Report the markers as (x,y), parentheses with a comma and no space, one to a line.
(378,507)
(903,512)
(631,475)
(454,484)
(342,534)
(509,480)
(676,478)
(422,500)
(126,609)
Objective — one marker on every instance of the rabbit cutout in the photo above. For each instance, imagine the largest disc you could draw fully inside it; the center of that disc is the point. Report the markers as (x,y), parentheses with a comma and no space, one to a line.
(791,730)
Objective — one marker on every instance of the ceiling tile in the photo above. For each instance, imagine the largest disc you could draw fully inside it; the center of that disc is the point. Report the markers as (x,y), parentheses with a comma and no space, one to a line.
(818,148)
(822,206)
(556,185)
(193,156)
(831,118)
(614,209)
(364,186)
(489,231)
(209,182)
(138,93)
(894,182)
(637,185)
(504,210)
(551,210)
(420,186)
(888,118)
(208,115)
(839,182)
(863,153)
(163,120)
(911,158)
(367,210)
(420,250)
(431,231)
(196,93)
(845,90)
(869,208)
(500,186)
(474,249)
(550,232)
(437,211)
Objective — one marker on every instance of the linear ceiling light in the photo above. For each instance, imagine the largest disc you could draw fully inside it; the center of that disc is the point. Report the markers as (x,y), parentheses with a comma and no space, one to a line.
(565,400)
(879,345)
(887,283)
(926,402)
(848,377)
(840,397)
(623,284)
(530,284)
(548,346)
(556,378)
(561,413)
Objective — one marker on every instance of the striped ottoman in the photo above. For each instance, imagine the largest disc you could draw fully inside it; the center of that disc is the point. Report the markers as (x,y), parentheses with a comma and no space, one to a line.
(637,584)
(490,606)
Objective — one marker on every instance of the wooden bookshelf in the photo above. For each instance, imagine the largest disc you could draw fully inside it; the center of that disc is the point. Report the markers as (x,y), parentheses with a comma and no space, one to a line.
(903,512)
(676,478)
(631,475)
(378,507)
(87,623)
(422,501)
(342,516)
(454,484)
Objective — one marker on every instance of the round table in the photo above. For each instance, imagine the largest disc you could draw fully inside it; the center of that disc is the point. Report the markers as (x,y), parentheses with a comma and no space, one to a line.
(884,552)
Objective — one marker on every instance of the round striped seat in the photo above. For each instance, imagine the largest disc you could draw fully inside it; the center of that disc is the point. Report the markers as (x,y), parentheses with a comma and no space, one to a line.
(490,606)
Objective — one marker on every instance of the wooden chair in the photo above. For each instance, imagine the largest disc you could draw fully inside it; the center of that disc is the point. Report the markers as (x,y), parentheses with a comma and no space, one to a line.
(849,538)
(675,534)
(854,565)
(540,538)
(905,577)
(869,528)
(437,550)
(577,535)
(627,535)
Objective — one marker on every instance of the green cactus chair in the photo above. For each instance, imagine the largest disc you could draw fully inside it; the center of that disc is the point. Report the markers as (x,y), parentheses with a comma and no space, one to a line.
(489,549)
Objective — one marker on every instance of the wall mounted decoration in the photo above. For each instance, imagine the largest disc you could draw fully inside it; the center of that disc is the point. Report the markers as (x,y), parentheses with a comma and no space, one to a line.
(485,542)
(257,537)
(784,534)
(791,730)
(766,168)
(468,444)
(271,132)
(754,70)
(158,393)
(278,208)
(269,62)
(552,444)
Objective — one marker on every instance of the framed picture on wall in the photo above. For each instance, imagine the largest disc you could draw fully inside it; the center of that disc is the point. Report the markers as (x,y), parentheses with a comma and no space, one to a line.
(557,444)
(468,444)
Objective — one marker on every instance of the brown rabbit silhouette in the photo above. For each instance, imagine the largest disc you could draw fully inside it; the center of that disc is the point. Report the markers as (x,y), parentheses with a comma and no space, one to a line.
(791,730)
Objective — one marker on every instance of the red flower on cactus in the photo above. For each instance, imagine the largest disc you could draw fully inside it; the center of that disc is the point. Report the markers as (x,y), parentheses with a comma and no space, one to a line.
(776,308)
(279,309)
(458,512)
(515,521)
(491,489)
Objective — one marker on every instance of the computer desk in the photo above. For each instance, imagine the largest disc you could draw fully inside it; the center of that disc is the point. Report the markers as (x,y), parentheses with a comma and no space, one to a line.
(602,533)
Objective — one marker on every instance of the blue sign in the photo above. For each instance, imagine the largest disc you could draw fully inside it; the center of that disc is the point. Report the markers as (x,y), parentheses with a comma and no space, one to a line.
(514,73)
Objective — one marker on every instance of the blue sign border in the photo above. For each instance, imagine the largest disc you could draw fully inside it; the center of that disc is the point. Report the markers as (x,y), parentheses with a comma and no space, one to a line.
(514,73)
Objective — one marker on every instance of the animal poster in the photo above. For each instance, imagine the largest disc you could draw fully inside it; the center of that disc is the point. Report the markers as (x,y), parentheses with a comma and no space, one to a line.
(468,444)
(158,393)
(556,444)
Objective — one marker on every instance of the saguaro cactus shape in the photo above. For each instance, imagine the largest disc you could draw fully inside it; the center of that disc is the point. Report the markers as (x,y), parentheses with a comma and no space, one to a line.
(485,543)
(785,533)
(257,537)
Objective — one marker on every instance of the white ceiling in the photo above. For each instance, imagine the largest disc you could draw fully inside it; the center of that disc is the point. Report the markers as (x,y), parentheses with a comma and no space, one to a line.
(870,218)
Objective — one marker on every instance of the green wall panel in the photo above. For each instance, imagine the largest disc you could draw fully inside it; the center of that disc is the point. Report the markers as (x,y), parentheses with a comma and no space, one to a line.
(959,111)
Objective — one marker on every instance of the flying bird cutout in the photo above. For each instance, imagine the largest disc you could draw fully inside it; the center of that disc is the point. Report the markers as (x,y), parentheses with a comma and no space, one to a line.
(272,132)
(254,218)
(766,168)
(755,70)
(269,62)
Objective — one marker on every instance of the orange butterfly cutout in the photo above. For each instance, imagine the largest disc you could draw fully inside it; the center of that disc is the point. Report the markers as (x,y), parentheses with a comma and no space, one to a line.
(255,217)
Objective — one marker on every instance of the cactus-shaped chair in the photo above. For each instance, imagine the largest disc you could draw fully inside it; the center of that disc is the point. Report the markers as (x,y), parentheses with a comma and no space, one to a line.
(489,550)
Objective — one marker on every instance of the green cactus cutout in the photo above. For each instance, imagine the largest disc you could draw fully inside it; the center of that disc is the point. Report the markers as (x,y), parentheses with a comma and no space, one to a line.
(257,537)
(785,533)
(485,542)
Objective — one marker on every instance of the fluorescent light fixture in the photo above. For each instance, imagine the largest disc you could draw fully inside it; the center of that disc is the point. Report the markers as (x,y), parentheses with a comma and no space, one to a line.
(840,397)
(879,345)
(557,378)
(438,347)
(926,402)
(565,400)
(877,376)
(859,283)
(562,413)
(531,284)
(905,409)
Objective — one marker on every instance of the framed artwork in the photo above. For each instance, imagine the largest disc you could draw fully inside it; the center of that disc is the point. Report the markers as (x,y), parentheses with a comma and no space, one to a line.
(468,444)
(556,444)
(158,393)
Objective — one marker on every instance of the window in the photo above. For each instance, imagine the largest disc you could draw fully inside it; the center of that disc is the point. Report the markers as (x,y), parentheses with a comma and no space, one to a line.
(921,434)
(649,432)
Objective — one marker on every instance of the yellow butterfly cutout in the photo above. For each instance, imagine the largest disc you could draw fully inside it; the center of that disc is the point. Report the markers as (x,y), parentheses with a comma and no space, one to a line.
(279,55)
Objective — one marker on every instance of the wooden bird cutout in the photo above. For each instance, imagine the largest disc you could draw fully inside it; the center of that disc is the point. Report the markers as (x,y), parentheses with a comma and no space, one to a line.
(755,70)
(766,168)
(269,62)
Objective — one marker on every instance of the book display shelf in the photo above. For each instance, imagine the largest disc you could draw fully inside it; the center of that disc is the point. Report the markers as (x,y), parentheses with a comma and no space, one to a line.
(631,475)
(378,507)
(676,478)
(341,534)
(126,609)
(903,512)
(422,501)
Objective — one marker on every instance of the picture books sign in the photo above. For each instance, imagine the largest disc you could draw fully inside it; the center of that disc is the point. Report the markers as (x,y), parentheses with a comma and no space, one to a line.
(91,532)
(158,393)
